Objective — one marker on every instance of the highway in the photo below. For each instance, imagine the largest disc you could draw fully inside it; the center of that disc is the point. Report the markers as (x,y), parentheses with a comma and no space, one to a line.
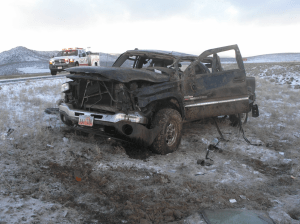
(2,81)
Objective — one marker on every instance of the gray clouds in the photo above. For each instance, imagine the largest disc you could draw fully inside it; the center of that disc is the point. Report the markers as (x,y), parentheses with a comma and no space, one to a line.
(74,14)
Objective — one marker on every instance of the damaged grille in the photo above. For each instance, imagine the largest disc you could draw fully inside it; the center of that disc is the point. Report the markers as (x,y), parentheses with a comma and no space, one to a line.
(99,96)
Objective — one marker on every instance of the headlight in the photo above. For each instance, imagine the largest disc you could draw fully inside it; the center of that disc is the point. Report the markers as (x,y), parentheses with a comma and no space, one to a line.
(67,60)
(125,117)
(65,87)
(51,62)
(71,60)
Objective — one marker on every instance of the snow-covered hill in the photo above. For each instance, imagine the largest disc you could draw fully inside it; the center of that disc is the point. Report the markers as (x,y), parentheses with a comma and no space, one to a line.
(21,60)
(280,57)
(23,54)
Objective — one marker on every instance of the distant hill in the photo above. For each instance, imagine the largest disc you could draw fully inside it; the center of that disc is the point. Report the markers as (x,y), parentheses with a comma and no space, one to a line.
(280,57)
(21,59)
(23,54)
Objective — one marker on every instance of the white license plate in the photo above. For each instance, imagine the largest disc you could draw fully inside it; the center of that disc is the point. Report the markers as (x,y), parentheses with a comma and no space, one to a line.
(59,67)
(86,120)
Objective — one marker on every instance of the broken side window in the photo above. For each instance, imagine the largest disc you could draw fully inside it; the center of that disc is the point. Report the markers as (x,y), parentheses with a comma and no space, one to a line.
(227,60)
(129,62)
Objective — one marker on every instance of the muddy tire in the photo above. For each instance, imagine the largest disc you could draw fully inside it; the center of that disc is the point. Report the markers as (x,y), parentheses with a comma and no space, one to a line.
(235,119)
(53,72)
(244,118)
(65,120)
(76,64)
(169,138)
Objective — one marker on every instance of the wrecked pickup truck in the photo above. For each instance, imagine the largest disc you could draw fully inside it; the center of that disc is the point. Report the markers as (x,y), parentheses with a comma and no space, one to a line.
(148,102)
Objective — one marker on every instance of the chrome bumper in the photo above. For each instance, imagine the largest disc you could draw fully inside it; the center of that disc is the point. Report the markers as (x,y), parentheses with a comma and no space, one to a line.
(133,116)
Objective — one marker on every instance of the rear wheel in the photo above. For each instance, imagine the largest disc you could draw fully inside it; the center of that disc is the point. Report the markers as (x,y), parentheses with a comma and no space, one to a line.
(168,139)
(53,72)
(76,64)
(244,118)
(235,119)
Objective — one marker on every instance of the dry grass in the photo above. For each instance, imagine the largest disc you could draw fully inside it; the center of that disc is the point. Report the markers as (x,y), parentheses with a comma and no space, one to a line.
(278,112)
(23,111)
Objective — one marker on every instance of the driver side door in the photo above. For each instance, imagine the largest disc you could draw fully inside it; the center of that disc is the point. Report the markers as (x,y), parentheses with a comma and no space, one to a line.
(216,92)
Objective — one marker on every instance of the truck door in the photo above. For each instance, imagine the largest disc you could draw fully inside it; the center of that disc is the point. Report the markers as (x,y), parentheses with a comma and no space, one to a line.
(215,92)
(83,61)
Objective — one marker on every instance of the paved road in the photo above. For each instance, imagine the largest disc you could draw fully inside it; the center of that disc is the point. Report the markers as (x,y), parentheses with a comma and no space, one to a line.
(31,78)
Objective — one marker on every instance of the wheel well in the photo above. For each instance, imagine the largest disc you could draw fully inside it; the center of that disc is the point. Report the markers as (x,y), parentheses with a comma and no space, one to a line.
(168,103)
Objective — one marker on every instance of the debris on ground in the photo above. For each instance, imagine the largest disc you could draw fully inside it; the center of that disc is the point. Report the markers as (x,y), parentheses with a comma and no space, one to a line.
(51,111)
(243,197)
(236,216)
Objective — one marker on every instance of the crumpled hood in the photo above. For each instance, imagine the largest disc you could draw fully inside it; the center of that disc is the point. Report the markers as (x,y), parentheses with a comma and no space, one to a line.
(122,74)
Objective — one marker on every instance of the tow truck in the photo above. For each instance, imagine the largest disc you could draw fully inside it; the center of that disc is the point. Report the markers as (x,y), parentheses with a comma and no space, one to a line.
(72,57)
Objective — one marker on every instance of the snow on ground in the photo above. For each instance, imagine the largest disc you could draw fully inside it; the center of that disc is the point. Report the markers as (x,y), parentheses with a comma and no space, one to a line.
(33,70)
(280,73)
(41,158)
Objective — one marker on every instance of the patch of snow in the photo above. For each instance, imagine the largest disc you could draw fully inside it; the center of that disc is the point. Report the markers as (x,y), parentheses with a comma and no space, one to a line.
(34,70)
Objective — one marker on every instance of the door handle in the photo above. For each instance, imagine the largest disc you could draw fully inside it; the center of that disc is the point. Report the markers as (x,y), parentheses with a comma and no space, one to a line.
(238,80)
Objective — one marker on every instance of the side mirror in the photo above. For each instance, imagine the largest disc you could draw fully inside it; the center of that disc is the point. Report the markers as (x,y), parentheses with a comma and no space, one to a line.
(79,55)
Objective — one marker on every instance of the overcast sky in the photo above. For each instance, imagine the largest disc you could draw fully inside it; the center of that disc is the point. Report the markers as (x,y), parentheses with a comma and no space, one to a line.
(189,26)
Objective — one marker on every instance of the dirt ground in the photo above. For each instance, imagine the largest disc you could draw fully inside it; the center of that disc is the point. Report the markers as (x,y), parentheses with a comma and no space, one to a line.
(50,174)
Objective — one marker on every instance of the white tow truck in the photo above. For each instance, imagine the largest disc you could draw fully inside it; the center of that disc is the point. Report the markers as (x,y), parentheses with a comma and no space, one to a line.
(71,57)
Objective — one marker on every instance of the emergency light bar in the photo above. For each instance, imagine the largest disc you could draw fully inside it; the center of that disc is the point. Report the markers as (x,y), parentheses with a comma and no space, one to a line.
(67,49)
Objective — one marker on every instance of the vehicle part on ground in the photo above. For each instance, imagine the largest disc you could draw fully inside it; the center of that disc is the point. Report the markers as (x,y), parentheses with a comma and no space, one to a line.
(234,118)
(170,123)
(147,95)
(236,216)
(243,133)
(51,111)
(219,131)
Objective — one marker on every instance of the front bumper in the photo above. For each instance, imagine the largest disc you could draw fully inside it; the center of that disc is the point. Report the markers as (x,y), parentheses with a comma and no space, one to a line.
(99,118)
(61,67)
(129,127)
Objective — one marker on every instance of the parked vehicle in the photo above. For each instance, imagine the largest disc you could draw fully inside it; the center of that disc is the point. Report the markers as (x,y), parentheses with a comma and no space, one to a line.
(73,57)
(148,102)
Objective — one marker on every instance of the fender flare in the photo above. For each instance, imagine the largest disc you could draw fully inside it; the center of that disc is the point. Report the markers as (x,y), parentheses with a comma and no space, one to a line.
(144,101)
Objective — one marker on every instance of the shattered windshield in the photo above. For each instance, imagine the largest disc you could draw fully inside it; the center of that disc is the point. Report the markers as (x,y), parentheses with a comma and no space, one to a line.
(68,53)
(144,61)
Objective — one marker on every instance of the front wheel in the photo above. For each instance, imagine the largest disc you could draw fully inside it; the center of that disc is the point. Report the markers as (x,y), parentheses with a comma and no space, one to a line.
(53,72)
(169,138)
